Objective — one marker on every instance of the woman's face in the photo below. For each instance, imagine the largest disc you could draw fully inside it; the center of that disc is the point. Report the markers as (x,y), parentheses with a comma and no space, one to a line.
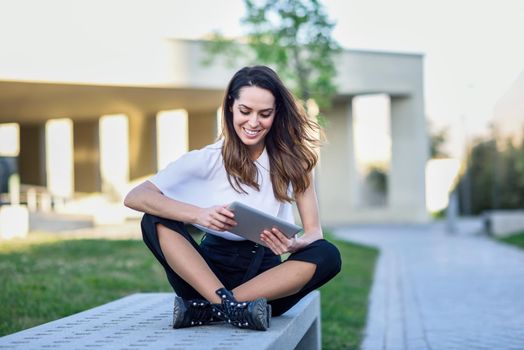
(253,115)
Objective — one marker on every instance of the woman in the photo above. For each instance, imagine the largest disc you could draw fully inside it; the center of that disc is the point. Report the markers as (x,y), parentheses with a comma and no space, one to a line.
(265,159)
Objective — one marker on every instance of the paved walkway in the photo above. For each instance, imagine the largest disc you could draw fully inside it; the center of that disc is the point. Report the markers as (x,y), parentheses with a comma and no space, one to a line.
(127,230)
(438,291)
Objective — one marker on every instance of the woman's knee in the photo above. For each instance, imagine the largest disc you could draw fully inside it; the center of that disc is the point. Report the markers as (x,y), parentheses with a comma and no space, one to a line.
(153,226)
(324,255)
(147,225)
(329,262)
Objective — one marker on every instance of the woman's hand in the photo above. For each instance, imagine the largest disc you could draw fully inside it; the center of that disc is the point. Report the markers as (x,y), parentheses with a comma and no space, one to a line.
(218,218)
(280,244)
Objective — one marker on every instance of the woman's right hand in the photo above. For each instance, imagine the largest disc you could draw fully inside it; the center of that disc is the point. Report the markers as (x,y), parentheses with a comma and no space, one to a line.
(218,218)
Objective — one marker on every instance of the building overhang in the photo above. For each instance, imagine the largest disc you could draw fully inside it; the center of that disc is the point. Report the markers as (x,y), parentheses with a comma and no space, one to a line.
(26,102)
(171,76)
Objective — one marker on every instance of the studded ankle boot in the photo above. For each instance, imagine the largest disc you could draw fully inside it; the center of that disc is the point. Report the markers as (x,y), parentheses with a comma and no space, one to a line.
(254,314)
(189,313)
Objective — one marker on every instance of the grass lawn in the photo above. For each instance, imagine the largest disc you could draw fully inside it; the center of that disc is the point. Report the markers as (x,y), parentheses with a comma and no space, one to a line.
(345,298)
(516,239)
(44,278)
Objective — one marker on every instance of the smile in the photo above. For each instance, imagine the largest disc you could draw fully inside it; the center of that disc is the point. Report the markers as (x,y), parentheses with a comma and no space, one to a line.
(251,132)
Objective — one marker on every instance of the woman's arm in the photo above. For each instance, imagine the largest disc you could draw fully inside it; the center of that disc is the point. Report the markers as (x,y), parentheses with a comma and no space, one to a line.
(307,205)
(308,210)
(147,198)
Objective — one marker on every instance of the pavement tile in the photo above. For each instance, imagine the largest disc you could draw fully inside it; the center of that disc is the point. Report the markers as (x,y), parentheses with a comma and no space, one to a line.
(433,290)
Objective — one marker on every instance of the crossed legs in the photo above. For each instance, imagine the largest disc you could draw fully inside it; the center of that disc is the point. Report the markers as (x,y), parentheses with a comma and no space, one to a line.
(186,261)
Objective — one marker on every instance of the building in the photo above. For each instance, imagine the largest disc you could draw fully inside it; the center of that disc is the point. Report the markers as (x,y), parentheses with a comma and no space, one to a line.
(88,128)
(509,110)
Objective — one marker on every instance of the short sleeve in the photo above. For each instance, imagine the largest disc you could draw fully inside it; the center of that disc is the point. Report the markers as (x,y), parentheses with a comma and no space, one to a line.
(175,173)
(184,175)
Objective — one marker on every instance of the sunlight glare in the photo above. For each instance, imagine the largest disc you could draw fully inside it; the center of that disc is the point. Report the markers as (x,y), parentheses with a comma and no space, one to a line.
(441,175)
(219,121)
(172,136)
(114,152)
(371,125)
(9,140)
(59,156)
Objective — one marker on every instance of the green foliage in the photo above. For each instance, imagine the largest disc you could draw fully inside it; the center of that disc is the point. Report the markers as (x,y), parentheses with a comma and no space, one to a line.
(440,214)
(46,279)
(345,298)
(515,239)
(294,37)
(438,139)
(49,279)
(377,178)
(230,50)
(494,175)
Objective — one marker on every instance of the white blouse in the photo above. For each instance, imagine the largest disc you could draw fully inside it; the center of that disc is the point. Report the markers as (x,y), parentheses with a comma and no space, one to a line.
(199,178)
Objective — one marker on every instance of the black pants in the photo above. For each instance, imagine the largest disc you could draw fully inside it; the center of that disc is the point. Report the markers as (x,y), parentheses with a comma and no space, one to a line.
(235,262)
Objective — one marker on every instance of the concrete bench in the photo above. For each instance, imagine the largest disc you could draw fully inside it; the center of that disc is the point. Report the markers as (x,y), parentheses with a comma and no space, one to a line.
(503,223)
(144,321)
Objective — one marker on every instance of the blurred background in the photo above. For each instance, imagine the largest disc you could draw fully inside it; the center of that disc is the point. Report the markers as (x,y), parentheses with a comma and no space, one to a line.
(422,102)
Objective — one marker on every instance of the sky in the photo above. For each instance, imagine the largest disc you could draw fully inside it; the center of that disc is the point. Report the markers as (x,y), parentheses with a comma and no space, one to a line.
(473,48)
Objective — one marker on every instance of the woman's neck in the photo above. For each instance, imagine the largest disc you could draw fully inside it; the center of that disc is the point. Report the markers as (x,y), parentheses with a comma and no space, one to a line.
(255,153)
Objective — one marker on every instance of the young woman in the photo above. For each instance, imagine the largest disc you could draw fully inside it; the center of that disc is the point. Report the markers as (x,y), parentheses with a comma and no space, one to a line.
(264,159)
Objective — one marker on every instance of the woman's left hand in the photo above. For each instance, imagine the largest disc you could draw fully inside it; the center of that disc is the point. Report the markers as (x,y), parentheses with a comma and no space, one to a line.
(280,244)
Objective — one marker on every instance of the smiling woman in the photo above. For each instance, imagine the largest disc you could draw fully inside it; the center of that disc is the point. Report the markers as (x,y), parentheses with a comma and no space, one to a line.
(265,160)
(256,105)
(253,115)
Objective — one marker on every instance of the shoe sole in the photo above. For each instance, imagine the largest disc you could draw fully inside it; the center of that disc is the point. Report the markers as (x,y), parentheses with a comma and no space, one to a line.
(268,315)
(179,310)
(263,314)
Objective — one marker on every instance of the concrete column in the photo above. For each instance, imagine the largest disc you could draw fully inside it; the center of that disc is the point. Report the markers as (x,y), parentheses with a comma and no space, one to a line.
(142,145)
(31,159)
(202,129)
(86,156)
(409,154)
(338,182)
(353,175)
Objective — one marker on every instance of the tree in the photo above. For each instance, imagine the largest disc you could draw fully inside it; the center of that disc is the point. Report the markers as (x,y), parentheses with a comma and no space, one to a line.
(481,175)
(496,175)
(293,36)
(438,139)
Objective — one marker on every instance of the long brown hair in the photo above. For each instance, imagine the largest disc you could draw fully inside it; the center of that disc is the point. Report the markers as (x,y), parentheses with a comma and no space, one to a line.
(290,143)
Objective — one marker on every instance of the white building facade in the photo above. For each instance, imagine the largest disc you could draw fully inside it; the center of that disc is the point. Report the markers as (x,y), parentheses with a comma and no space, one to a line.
(133,104)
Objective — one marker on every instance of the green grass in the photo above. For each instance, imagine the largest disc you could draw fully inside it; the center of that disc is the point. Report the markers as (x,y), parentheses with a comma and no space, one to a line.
(345,298)
(516,239)
(45,278)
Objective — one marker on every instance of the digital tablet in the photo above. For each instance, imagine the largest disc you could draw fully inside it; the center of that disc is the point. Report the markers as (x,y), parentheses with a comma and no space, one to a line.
(251,222)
